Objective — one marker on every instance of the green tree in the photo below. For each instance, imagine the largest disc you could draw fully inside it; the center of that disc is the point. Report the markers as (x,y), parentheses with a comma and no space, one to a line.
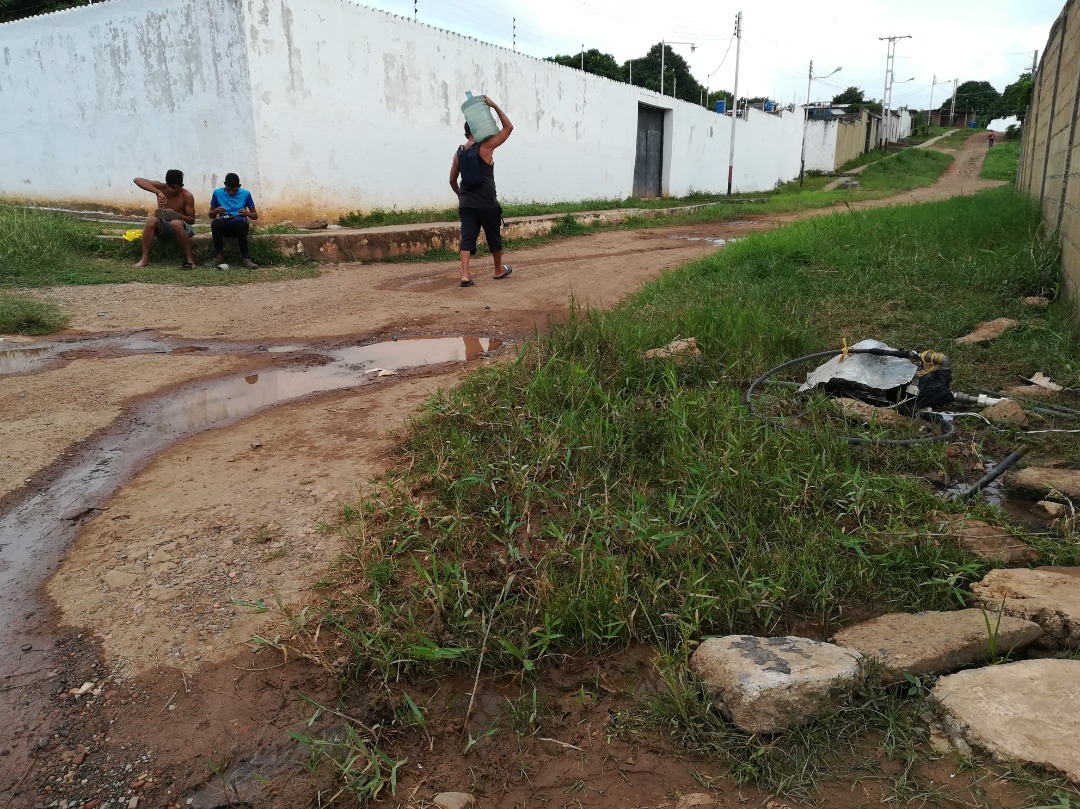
(974,96)
(1014,100)
(677,76)
(852,95)
(600,64)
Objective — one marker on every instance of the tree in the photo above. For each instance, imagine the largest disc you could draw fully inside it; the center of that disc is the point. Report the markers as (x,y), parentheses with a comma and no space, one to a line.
(600,64)
(852,95)
(974,96)
(677,79)
(1014,100)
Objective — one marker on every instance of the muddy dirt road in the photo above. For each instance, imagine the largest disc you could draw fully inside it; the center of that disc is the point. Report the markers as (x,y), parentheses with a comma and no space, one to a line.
(170,457)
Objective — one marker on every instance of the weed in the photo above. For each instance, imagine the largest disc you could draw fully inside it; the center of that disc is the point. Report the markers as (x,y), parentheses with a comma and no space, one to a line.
(363,769)
(21,314)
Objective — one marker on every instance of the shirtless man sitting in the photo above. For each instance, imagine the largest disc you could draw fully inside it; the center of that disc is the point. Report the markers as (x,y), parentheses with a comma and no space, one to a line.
(173,218)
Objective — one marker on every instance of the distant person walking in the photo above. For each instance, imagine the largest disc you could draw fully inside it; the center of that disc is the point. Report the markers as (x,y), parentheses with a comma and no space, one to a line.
(173,218)
(478,206)
(989,140)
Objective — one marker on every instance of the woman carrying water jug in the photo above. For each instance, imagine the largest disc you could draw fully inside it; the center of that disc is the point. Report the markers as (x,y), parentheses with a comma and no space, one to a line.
(478,206)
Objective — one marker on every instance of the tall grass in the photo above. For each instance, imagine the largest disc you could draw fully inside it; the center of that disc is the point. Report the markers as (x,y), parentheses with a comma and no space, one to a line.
(581,496)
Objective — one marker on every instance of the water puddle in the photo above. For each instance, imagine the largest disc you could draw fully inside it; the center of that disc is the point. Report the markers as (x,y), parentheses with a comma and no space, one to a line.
(715,241)
(36,532)
(41,356)
(17,360)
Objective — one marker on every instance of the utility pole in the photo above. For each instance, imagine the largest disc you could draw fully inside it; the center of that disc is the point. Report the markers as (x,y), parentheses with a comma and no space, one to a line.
(806,117)
(931,107)
(515,34)
(734,101)
(583,57)
(886,96)
(952,108)
(414,10)
(1034,61)
(663,47)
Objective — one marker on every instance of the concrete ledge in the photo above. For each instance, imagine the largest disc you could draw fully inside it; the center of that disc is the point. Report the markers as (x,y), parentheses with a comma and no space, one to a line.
(365,244)
(336,245)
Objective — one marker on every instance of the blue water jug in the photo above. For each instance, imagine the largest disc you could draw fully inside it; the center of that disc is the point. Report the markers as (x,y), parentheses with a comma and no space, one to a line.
(479,118)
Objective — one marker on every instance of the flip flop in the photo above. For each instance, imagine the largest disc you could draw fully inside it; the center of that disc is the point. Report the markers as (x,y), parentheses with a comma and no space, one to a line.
(506,271)
(187,265)
(468,283)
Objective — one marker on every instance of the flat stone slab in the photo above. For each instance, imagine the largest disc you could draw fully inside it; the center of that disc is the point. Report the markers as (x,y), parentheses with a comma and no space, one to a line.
(1049,596)
(935,642)
(991,542)
(1020,712)
(768,685)
(1036,482)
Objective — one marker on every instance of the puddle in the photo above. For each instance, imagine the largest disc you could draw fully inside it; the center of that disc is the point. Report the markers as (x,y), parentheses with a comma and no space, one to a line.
(18,360)
(715,241)
(36,532)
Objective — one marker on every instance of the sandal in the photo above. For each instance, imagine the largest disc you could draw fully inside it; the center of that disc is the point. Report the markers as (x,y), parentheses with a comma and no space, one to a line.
(187,265)
(507,269)
(468,283)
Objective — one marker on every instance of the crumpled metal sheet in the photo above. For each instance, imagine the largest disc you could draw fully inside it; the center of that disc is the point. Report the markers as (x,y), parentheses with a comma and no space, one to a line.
(866,370)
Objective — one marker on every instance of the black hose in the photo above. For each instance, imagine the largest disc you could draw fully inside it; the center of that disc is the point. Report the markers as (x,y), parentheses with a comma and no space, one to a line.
(991,476)
(881,352)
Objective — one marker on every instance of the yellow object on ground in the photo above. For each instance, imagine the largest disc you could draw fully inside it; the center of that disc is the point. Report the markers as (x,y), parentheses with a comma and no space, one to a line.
(132,235)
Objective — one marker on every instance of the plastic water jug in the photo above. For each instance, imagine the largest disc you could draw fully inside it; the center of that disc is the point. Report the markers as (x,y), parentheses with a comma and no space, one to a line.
(479,118)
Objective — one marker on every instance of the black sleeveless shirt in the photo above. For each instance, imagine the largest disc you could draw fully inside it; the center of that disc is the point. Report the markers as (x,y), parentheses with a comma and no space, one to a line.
(484,196)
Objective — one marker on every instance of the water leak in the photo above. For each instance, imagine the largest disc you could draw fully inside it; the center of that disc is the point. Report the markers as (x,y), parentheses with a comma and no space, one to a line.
(35,533)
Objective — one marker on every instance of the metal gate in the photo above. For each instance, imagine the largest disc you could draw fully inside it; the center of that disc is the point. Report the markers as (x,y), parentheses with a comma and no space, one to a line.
(649,162)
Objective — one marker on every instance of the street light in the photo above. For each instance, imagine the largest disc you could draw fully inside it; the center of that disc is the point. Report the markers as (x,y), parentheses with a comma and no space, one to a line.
(934,83)
(663,47)
(806,118)
(886,113)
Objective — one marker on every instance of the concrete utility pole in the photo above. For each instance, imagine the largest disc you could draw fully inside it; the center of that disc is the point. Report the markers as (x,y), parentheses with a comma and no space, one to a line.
(806,118)
(931,107)
(515,34)
(1034,62)
(952,107)
(734,101)
(886,96)
(583,56)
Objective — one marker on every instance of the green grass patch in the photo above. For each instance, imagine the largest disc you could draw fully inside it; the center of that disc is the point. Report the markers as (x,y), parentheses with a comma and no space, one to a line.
(1002,161)
(580,497)
(41,248)
(21,314)
(380,217)
(872,156)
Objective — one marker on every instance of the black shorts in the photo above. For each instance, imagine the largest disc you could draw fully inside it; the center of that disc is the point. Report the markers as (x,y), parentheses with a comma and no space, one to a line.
(472,219)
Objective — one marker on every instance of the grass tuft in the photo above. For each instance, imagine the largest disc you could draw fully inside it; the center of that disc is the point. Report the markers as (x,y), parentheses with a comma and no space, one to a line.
(21,314)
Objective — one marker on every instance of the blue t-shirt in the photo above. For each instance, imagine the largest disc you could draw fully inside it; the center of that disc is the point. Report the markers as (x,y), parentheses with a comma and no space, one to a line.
(232,203)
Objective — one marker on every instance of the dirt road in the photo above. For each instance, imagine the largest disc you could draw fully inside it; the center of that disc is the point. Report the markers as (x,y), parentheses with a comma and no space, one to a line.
(148,505)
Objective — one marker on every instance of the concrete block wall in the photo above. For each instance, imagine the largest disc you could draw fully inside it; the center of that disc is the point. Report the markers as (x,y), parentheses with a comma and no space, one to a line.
(1050,151)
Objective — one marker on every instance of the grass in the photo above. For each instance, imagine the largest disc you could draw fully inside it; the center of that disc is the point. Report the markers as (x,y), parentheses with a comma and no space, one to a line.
(1002,161)
(579,498)
(379,217)
(21,314)
(40,248)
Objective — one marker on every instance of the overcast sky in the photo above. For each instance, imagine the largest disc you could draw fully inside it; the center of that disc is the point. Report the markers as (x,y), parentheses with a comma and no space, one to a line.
(989,40)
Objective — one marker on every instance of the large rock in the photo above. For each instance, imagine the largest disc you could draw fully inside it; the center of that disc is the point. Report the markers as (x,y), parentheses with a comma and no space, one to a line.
(453,800)
(1048,596)
(991,542)
(1019,712)
(935,642)
(1036,482)
(768,685)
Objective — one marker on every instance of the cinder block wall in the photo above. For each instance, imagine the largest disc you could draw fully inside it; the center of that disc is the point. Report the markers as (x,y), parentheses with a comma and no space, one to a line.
(1049,163)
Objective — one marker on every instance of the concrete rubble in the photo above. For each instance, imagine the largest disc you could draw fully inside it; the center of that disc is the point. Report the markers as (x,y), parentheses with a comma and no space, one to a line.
(1019,712)
(769,685)
(936,642)
(1049,596)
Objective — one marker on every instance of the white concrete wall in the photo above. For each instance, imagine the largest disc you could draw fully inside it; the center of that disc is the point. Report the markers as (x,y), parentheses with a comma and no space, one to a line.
(94,96)
(324,107)
(821,145)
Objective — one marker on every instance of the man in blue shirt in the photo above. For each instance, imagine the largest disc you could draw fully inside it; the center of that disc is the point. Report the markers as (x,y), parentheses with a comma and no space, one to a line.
(230,211)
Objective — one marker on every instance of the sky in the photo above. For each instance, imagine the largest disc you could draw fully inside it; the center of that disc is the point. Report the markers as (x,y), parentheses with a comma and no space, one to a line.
(980,40)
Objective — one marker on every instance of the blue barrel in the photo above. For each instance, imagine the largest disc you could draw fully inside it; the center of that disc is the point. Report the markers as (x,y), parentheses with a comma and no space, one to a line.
(973,125)
(721,106)
(770,106)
